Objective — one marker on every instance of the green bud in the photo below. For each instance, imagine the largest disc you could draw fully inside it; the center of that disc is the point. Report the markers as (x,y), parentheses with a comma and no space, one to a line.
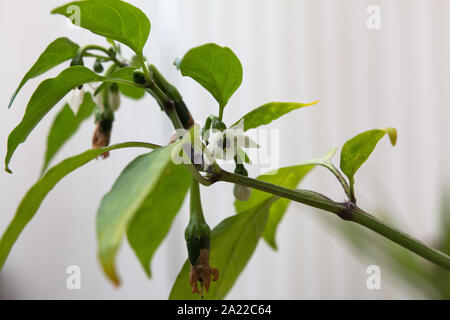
(77,61)
(240,169)
(212,122)
(98,67)
(217,124)
(114,87)
(139,77)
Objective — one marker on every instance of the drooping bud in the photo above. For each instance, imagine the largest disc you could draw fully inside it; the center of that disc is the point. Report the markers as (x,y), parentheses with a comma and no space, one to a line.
(139,77)
(242,193)
(98,67)
(218,124)
(114,97)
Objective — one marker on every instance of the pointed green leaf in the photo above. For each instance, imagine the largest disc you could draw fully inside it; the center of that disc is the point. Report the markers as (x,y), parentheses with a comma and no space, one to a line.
(130,194)
(233,242)
(64,126)
(358,149)
(153,219)
(113,19)
(34,197)
(269,112)
(216,68)
(288,177)
(44,98)
(60,50)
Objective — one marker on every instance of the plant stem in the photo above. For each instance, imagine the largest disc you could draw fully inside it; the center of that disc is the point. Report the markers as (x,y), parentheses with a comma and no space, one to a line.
(144,67)
(196,211)
(328,164)
(347,211)
(221,113)
(111,56)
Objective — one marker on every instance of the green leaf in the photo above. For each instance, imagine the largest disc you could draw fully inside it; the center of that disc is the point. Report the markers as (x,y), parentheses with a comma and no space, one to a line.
(34,197)
(153,219)
(48,93)
(288,177)
(444,239)
(60,50)
(130,195)
(112,19)
(269,112)
(216,68)
(233,242)
(358,149)
(64,126)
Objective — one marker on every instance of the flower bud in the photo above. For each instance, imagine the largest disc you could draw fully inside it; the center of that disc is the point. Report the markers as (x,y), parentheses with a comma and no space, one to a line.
(242,193)
(98,67)
(240,169)
(218,125)
(114,97)
(139,77)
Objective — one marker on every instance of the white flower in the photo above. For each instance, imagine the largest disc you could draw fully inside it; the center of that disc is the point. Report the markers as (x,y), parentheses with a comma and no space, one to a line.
(75,99)
(225,145)
(76,96)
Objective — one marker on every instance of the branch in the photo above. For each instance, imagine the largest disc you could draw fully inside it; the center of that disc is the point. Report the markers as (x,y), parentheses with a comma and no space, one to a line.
(346,211)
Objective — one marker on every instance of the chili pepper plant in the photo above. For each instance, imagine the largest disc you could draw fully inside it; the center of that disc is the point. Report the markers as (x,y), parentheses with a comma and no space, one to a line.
(148,194)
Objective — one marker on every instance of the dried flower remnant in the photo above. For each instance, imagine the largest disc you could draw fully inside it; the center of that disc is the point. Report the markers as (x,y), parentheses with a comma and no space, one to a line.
(202,272)
(102,135)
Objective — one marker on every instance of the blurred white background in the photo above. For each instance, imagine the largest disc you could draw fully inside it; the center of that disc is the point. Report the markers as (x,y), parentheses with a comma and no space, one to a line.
(291,50)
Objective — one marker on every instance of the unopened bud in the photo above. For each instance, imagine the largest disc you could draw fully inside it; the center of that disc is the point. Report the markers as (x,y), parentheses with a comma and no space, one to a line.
(242,193)
(139,77)
(114,100)
(98,67)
